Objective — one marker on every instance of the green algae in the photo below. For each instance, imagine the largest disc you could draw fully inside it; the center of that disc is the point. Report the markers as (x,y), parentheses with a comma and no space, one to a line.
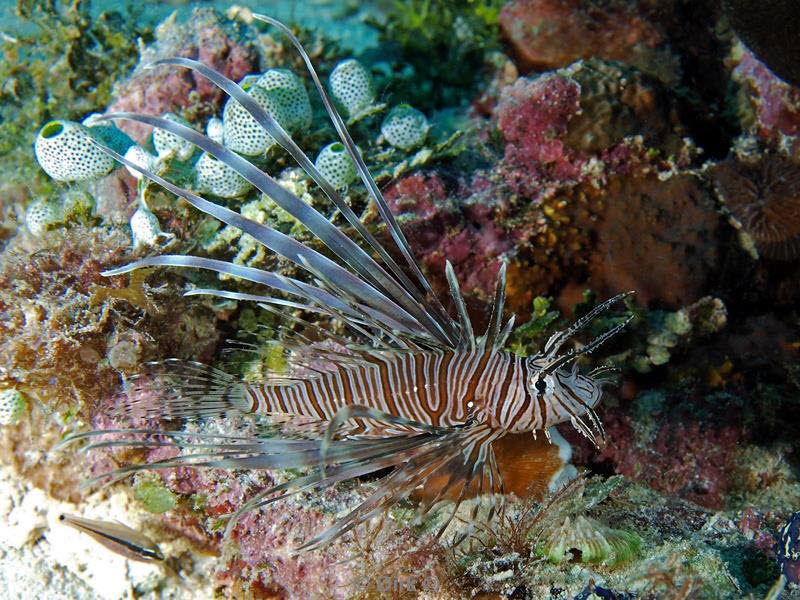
(526,336)
(151,493)
(460,34)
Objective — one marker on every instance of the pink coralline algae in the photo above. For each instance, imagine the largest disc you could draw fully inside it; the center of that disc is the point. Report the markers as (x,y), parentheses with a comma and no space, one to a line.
(772,104)
(547,34)
(262,553)
(441,229)
(532,116)
(584,123)
(169,89)
(753,526)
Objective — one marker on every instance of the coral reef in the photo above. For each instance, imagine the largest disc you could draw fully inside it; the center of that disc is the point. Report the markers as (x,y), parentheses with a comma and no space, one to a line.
(634,168)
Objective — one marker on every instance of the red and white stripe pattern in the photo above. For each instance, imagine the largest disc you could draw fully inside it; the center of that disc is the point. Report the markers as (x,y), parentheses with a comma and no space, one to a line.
(441,389)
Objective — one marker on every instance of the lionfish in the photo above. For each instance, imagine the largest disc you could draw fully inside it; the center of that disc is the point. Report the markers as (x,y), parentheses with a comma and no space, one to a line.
(408,390)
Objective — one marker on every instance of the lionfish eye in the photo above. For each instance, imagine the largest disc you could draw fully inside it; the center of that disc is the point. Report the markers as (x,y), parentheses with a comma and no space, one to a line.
(540,385)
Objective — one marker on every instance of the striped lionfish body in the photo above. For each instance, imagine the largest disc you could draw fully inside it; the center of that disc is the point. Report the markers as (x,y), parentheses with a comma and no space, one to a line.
(441,389)
(408,387)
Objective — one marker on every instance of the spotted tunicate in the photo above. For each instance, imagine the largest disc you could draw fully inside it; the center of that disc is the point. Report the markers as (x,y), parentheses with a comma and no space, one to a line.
(405,127)
(352,88)
(41,215)
(12,406)
(169,145)
(290,92)
(215,130)
(145,228)
(66,153)
(241,131)
(215,177)
(141,158)
(335,165)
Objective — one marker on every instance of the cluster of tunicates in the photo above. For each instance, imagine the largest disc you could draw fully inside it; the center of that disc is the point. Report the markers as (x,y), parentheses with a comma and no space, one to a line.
(352,89)
(69,151)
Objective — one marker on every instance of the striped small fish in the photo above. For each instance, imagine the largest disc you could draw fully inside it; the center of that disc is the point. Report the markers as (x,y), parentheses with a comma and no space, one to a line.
(408,386)
(116,537)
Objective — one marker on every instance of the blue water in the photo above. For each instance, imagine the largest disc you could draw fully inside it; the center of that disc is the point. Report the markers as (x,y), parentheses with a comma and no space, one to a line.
(342,20)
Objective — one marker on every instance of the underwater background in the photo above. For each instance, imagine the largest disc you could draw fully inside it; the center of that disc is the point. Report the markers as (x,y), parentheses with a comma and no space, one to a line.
(594,146)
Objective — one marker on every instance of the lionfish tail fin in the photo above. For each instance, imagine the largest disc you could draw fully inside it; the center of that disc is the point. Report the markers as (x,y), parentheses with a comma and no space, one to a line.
(178,389)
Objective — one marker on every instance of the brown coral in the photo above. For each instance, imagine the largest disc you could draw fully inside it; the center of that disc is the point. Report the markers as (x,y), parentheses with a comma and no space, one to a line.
(764,196)
(656,237)
(619,101)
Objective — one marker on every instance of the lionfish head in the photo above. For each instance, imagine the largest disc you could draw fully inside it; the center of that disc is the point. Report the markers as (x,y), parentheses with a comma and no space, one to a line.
(557,391)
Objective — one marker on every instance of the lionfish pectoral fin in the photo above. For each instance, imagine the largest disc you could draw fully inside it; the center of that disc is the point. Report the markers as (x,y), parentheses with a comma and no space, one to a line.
(359,413)
(464,454)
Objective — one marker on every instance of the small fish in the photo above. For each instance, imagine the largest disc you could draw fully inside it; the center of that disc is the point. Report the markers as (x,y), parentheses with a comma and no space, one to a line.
(409,386)
(117,537)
